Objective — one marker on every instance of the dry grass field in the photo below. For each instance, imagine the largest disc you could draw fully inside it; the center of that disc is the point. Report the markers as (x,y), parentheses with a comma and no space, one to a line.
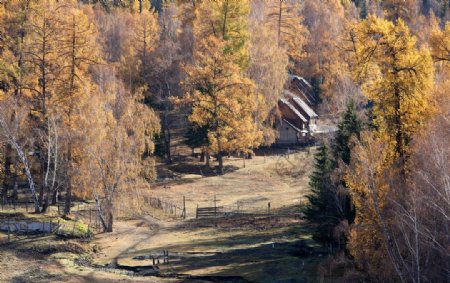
(281,180)
(239,248)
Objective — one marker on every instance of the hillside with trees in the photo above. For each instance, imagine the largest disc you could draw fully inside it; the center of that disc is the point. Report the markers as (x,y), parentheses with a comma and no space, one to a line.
(126,122)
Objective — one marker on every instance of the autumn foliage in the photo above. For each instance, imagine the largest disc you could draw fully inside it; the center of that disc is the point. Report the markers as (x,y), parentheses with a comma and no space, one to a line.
(92,94)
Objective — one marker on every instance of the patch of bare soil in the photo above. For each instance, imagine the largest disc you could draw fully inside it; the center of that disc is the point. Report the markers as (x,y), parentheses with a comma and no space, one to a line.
(20,268)
(22,261)
(263,248)
(126,235)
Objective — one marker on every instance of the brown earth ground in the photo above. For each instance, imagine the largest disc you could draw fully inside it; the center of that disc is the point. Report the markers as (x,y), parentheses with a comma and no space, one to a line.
(258,248)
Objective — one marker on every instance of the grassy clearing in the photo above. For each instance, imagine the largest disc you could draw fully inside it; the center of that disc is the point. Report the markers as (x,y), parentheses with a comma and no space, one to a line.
(249,249)
(276,179)
(253,249)
(259,252)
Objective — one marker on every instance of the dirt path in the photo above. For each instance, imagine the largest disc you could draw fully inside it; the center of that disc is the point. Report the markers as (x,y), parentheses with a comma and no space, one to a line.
(127,236)
(253,250)
(238,248)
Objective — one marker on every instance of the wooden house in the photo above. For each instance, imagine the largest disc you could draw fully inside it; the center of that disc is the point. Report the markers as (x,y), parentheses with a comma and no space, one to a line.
(298,120)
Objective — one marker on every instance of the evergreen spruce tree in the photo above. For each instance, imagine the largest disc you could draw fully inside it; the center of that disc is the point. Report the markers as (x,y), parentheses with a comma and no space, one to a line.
(322,209)
(327,207)
(196,137)
(349,126)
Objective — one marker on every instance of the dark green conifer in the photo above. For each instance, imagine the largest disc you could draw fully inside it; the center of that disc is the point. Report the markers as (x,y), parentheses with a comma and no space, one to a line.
(321,209)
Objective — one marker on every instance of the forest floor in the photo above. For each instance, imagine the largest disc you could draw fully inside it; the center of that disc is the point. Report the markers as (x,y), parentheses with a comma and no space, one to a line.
(234,248)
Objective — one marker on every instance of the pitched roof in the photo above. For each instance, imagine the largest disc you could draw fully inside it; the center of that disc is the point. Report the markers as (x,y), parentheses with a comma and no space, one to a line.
(300,103)
(303,89)
(293,109)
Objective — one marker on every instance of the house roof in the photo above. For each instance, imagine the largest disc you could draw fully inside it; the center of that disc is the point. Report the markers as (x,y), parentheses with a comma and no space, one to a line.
(303,89)
(293,109)
(300,103)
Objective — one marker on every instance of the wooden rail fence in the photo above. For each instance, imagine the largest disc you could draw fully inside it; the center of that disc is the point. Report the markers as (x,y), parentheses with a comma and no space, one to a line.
(168,207)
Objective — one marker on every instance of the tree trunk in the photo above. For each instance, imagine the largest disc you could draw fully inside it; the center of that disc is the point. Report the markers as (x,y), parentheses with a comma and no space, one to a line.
(167,140)
(13,142)
(15,192)
(55,197)
(68,200)
(108,209)
(220,159)
(7,172)
(202,156)
(109,227)
(48,193)
(207,159)
(42,185)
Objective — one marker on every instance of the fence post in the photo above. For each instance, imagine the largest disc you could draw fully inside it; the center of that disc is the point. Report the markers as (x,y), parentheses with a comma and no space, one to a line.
(9,232)
(268,210)
(96,221)
(184,207)
(196,212)
(73,229)
(215,207)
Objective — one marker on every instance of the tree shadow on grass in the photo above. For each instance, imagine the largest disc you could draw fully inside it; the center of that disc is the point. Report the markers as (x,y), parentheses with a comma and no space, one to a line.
(251,255)
(197,169)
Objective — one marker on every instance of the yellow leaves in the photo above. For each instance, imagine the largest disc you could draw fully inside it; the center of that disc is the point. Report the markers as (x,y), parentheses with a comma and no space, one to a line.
(440,44)
(407,10)
(139,42)
(268,68)
(396,76)
(146,32)
(226,20)
(367,178)
(221,98)
(290,34)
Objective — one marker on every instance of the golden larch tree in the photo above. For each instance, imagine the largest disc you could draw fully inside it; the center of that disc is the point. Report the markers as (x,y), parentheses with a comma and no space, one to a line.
(397,78)
(221,99)
(227,20)
(79,50)
(268,68)
(286,22)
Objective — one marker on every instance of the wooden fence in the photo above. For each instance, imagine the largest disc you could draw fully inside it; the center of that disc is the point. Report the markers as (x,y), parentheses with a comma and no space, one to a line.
(167,207)
(243,210)
(208,212)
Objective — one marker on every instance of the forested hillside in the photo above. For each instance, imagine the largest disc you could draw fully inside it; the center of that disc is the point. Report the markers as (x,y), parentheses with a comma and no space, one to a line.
(96,95)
